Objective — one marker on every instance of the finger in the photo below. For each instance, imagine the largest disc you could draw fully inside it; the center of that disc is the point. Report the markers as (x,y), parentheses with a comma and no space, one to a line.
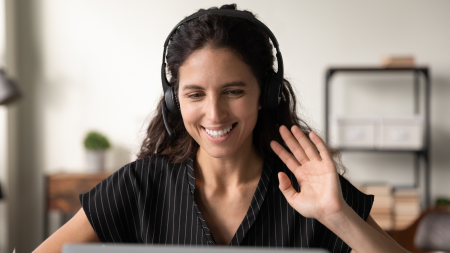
(286,187)
(320,146)
(293,145)
(288,159)
(307,146)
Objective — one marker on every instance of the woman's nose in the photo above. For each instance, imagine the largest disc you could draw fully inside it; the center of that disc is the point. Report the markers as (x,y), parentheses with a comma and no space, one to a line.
(216,109)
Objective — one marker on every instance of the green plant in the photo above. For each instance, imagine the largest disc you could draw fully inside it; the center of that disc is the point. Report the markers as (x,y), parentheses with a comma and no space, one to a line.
(442,201)
(95,141)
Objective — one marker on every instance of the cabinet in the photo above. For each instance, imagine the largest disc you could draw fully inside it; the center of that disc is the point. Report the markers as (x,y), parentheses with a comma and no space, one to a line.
(62,192)
(423,152)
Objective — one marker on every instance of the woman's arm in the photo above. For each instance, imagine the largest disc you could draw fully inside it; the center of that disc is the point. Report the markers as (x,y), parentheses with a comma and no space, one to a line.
(374,225)
(361,236)
(76,230)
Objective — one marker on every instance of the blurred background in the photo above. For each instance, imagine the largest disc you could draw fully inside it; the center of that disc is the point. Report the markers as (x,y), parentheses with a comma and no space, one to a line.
(95,65)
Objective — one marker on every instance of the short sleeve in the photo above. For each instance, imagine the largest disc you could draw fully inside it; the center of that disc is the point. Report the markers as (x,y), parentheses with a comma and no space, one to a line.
(112,206)
(359,202)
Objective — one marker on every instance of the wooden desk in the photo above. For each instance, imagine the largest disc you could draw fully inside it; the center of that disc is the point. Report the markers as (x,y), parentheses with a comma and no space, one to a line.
(62,192)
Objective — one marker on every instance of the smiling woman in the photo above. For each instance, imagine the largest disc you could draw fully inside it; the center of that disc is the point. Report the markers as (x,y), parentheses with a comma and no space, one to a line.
(232,164)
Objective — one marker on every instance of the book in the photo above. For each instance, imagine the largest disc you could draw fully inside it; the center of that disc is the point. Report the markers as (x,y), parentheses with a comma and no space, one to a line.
(378,189)
(406,193)
(397,61)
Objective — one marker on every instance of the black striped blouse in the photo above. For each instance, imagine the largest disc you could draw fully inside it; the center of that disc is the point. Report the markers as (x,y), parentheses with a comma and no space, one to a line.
(151,201)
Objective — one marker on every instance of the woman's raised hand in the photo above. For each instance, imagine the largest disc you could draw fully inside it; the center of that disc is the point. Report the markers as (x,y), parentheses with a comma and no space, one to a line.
(320,195)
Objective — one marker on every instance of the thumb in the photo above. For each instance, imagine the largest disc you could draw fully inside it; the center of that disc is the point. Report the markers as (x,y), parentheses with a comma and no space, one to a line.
(286,187)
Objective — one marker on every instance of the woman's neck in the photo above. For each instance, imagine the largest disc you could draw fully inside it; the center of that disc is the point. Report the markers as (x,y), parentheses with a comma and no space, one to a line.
(241,168)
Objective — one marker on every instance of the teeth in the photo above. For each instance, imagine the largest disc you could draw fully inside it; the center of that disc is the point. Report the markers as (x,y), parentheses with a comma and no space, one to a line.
(220,133)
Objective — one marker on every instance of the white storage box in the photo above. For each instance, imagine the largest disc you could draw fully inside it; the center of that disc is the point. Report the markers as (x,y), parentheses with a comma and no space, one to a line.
(404,133)
(353,132)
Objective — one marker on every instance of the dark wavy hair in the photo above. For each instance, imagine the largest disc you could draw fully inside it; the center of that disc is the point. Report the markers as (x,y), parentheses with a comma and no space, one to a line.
(251,43)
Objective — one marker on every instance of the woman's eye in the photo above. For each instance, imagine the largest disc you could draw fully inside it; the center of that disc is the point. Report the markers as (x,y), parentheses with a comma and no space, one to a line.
(230,92)
(195,95)
(234,92)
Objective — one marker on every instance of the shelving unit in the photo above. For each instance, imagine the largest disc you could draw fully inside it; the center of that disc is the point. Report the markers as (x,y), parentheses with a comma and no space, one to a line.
(423,153)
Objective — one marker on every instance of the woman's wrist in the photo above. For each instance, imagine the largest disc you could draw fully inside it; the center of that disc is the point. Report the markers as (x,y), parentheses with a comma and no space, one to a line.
(338,219)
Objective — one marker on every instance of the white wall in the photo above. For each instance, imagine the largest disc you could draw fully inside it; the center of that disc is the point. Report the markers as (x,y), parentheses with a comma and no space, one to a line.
(96,65)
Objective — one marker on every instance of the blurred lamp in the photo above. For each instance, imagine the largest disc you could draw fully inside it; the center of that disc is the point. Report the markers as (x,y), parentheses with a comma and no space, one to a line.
(9,92)
(1,193)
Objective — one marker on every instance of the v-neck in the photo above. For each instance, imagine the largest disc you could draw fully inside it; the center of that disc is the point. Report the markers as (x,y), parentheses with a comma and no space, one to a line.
(252,212)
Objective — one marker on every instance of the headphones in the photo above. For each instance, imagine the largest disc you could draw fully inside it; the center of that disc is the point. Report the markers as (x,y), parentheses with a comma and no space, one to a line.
(271,89)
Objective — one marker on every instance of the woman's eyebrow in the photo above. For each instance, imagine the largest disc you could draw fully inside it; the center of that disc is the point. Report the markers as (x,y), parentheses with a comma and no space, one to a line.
(194,86)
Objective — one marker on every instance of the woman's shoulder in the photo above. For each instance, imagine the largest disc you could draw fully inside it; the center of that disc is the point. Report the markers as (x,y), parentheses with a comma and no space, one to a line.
(154,162)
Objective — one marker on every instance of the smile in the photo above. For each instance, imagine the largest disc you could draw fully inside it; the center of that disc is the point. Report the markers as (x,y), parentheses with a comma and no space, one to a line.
(219,134)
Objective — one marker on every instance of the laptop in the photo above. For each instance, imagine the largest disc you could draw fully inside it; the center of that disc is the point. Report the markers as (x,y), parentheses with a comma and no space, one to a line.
(130,248)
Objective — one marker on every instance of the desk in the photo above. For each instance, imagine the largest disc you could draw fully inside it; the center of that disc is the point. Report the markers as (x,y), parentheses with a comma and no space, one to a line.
(62,191)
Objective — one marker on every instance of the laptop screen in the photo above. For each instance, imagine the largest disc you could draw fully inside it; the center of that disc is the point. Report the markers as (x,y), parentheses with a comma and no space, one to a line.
(133,248)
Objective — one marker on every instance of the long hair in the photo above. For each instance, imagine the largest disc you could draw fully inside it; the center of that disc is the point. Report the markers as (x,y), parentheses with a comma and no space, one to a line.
(251,43)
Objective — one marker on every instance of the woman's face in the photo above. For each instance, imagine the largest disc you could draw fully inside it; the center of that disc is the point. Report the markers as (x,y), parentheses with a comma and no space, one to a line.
(217,90)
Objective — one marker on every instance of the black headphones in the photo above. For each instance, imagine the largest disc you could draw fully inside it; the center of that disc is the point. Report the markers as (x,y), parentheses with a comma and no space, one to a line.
(271,90)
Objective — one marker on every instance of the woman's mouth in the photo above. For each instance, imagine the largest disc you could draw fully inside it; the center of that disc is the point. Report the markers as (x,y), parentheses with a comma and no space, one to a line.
(219,135)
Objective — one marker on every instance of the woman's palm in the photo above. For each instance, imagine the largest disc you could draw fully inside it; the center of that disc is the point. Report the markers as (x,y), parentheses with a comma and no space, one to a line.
(320,192)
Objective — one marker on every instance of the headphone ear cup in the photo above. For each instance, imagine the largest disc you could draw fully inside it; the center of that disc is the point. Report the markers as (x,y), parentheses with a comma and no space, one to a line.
(171,102)
(270,92)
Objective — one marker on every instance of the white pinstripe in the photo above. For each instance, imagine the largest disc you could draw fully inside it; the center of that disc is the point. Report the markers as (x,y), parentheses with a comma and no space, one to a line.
(98,218)
(196,232)
(293,212)
(110,210)
(262,228)
(114,194)
(157,198)
(260,193)
(281,214)
(324,235)
(129,200)
(185,221)
(237,238)
(90,214)
(192,221)
(133,186)
(256,201)
(364,208)
(254,216)
(140,187)
(146,192)
(104,215)
(121,198)
(164,201)
(151,200)
(173,216)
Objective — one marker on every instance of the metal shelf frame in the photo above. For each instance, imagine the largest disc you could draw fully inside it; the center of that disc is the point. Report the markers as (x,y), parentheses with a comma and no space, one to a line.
(423,153)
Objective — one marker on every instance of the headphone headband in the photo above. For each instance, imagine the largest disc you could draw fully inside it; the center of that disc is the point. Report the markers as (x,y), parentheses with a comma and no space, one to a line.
(229,13)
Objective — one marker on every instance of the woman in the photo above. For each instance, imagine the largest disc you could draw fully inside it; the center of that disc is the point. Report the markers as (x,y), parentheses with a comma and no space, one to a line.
(225,176)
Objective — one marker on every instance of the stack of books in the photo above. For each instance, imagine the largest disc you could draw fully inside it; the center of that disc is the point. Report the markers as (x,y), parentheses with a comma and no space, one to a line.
(407,207)
(382,208)
(406,61)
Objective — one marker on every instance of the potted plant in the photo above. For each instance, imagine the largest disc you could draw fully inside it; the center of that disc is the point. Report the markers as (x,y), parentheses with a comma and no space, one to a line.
(96,144)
